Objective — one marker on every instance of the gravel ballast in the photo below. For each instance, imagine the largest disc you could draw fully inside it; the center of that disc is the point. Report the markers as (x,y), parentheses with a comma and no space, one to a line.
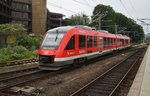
(67,83)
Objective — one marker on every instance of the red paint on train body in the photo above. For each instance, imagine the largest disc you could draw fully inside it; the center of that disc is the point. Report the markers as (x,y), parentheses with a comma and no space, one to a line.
(71,45)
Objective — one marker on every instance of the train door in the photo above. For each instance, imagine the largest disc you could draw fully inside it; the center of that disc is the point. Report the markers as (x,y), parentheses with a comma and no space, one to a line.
(101,44)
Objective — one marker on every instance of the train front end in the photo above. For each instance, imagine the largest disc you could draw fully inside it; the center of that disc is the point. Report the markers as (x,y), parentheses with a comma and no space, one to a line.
(49,48)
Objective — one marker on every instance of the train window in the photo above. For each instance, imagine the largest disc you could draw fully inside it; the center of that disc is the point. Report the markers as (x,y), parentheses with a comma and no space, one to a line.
(116,41)
(82,40)
(126,42)
(52,40)
(95,41)
(105,42)
(71,44)
(122,41)
(101,42)
(112,41)
(119,42)
(89,41)
(109,42)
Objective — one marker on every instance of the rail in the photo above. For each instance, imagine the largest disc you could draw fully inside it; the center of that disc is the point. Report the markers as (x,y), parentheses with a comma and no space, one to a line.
(19,62)
(107,83)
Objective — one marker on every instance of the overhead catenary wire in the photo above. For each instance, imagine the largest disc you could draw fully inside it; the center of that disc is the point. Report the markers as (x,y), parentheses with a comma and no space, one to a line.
(88,2)
(126,9)
(143,23)
(60,7)
(83,3)
(133,8)
(144,19)
(91,2)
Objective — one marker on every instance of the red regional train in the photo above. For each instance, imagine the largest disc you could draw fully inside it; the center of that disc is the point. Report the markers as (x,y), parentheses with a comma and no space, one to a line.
(67,45)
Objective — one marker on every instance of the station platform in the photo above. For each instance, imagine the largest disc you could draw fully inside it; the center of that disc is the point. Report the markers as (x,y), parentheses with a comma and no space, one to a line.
(141,83)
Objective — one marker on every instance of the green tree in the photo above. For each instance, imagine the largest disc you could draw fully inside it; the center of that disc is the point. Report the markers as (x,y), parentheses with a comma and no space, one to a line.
(11,32)
(110,13)
(119,19)
(12,29)
(77,19)
(31,43)
(147,39)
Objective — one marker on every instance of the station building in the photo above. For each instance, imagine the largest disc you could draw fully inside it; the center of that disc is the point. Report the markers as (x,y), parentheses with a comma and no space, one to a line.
(32,13)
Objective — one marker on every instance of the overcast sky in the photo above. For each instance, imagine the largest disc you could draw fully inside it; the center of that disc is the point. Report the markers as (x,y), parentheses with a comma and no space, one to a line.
(135,9)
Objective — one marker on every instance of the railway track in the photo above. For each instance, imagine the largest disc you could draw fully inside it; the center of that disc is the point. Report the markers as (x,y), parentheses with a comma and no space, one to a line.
(27,61)
(108,83)
(34,61)
(12,75)
(109,55)
(8,80)
(16,72)
(7,83)
(19,62)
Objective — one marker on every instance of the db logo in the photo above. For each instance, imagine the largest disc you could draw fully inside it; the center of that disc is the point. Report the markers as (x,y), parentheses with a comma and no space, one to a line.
(46,52)
(70,53)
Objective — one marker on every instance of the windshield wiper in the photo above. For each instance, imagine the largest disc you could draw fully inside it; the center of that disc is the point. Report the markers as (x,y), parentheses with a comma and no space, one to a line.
(57,35)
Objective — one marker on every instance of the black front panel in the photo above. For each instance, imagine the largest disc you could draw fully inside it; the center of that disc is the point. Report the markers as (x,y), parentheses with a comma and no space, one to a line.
(45,59)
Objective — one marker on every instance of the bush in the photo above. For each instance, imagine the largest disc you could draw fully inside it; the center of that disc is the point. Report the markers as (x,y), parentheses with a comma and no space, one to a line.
(6,51)
(13,50)
(4,58)
(16,53)
(26,55)
(30,43)
(19,49)
(37,41)
(13,29)
(16,56)
(25,41)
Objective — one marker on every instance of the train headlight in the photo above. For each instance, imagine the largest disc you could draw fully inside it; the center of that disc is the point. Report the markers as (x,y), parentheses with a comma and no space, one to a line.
(52,59)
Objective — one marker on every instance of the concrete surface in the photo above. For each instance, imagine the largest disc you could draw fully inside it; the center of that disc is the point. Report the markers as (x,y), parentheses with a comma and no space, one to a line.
(141,83)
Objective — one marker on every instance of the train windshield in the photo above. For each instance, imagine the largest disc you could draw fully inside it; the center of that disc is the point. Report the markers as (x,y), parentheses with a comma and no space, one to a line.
(52,40)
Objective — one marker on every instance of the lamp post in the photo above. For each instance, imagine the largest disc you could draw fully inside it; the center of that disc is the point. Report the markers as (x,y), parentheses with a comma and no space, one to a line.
(100,16)
(60,23)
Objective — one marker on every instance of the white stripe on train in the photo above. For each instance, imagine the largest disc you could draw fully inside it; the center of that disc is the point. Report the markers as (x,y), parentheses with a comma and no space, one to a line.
(85,55)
